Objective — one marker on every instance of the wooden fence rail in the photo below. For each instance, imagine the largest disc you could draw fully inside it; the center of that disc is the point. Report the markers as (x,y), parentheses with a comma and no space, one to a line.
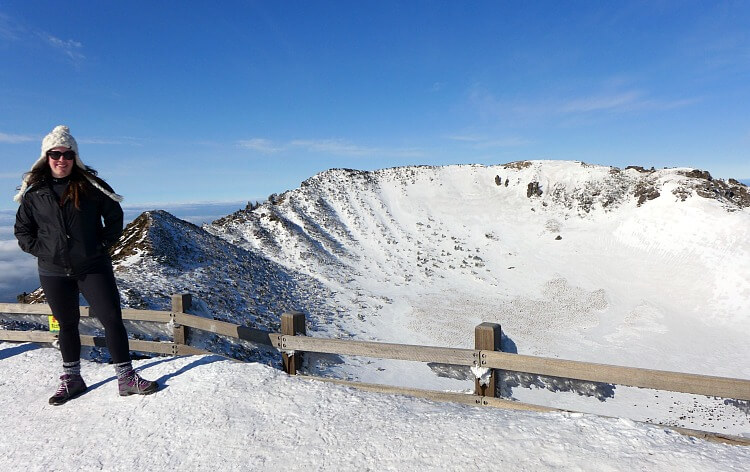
(404,352)
(292,342)
(168,348)
(44,309)
(629,376)
(228,329)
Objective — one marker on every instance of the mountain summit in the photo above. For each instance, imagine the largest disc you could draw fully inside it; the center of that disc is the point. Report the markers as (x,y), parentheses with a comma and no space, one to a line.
(574,260)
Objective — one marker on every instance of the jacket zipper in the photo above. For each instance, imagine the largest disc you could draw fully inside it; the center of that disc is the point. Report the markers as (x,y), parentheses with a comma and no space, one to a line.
(64,236)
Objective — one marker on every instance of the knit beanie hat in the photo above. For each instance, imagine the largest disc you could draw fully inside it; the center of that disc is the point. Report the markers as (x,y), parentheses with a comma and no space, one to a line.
(60,136)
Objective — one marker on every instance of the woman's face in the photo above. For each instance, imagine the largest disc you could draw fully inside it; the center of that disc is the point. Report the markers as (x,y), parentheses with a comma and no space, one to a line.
(60,167)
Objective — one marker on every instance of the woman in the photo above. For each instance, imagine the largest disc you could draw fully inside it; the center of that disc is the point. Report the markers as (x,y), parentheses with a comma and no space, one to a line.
(69,218)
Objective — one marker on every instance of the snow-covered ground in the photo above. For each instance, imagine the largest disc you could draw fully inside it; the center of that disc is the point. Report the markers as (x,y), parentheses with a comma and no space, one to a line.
(628,267)
(215,414)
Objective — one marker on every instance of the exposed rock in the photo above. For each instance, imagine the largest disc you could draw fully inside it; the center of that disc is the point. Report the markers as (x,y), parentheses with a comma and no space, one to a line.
(640,169)
(733,193)
(517,165)
(645,191)
(37,296)
(699,174)
(682,193)
(533,189)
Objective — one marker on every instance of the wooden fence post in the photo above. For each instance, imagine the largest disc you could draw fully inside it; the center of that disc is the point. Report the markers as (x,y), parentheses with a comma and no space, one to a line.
(487,338)
(180,304)
(292,324)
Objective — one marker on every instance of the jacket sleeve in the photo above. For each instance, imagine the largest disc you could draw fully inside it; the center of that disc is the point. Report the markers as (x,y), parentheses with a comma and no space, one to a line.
(26,229)
(113,218)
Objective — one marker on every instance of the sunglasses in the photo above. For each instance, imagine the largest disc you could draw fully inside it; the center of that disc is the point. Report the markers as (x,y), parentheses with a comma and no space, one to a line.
(67,155)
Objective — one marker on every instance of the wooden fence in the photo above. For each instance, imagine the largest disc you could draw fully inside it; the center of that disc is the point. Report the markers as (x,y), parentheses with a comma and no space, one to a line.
(292,342)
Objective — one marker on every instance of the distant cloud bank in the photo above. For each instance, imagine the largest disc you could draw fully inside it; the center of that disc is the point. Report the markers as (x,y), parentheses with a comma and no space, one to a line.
(196,213)
(18,271)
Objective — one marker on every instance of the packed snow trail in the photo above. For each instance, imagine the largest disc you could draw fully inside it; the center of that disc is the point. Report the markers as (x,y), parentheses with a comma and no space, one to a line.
(216,414)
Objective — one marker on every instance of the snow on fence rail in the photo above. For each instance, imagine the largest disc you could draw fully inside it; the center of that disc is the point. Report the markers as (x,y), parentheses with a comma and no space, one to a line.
(292,342)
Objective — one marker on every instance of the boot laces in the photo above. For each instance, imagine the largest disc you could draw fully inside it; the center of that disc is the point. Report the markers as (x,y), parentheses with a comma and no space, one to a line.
(138,382)
(63,388)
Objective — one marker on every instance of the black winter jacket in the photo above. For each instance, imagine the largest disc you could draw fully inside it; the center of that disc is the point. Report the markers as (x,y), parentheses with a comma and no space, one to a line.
(66,240)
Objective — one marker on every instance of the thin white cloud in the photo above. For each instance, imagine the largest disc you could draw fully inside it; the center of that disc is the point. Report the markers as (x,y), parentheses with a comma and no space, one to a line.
(481,142)
(13,30)
(620,101)
(99,141)
(260,144)
(730,49)
(466,138)
(11,175)
(116,140)
(9,29)
(70,48)
(16,138)
(509,141)
(332,146)
(337,147)
(623,101)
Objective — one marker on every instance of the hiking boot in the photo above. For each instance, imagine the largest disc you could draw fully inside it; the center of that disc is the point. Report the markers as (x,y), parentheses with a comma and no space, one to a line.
(70,387)
(133,384)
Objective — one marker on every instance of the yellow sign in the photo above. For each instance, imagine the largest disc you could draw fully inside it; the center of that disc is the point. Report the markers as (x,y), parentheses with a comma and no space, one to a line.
(54,326)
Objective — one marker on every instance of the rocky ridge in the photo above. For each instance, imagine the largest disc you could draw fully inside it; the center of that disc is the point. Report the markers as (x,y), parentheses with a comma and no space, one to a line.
(320,224)
(159,254)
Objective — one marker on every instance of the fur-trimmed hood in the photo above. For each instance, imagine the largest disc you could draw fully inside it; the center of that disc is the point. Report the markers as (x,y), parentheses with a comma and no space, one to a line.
(60,136)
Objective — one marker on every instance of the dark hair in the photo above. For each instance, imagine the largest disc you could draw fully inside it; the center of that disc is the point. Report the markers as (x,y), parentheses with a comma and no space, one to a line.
(78,182)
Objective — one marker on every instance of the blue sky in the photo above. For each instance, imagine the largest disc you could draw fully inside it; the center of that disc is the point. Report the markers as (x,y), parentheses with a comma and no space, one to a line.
(180,101)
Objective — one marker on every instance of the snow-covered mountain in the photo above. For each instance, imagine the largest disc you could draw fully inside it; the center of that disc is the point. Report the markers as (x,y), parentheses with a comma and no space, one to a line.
(635,267)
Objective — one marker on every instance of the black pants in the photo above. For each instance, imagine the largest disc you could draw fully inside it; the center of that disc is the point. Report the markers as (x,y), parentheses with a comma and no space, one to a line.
(100,291)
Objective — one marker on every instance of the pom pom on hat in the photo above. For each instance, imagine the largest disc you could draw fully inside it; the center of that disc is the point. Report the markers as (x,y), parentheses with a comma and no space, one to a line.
(60,136)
